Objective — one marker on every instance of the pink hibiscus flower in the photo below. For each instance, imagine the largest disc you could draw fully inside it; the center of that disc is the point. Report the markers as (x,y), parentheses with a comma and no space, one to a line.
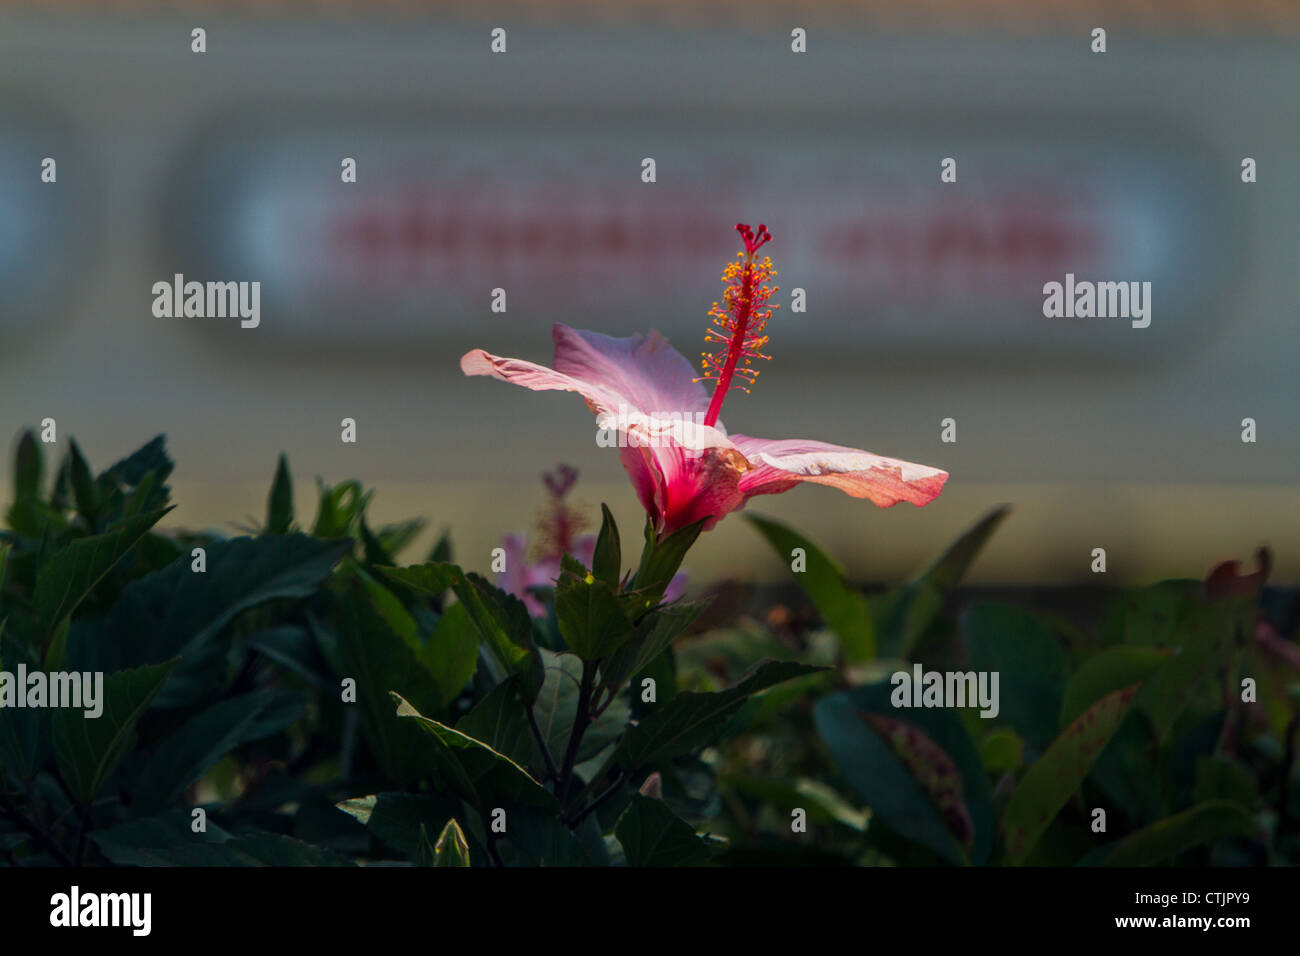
(684,464)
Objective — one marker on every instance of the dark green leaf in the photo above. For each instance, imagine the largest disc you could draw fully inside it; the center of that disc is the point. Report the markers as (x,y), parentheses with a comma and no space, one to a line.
(910,783)
(661,559)
(74,571)
(24,731)
(340,510)
(499,721)
(590,616)
(87,749)
(502,619)
(1030,665)
(476,772)
(652,835)
(654,633)
(380,661)
(451,654)
(691,720)
(1106,672)
(192,749)
(842,606)
(607,564)
(556,709)
(396,818)
(279,505)
(178,612)
(540,839)
(1048,784)
(1201,824)
(84,492)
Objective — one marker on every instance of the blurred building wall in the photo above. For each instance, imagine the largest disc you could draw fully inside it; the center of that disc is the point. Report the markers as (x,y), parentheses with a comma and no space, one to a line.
(522,171)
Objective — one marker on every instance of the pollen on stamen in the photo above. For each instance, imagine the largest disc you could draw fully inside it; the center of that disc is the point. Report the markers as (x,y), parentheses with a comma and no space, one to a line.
(738,321)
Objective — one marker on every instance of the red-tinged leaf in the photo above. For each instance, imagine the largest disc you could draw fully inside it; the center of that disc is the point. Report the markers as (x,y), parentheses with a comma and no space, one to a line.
(933,769)
(1049,783)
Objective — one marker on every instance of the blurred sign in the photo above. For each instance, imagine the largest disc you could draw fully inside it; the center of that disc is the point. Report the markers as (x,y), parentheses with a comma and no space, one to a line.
(559,217)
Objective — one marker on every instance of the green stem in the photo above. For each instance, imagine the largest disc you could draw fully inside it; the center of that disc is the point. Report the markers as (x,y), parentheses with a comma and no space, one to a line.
(596,804)
(580,723)
(537,735)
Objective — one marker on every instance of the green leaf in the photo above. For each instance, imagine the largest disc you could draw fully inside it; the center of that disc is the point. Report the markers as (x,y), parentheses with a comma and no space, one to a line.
(1153,616)
(919,772)
(1209,642)
(1220,777)
(381,661)
(823,804)
(274,849)
(556,709)
(29,468)
(74,570)
(279,505)
(84,492)
(502,619)
(87,749)
(451,654)
(176,612)
(661,559)
(295,649)
(843,607)
(1002,751)
(164,840)
(499,721)
(652,835)
(340,509)
(607,562)
(168,840)
(1106,672)
(29,515)
(540,839)
(1048,784)
(441,553)
(148,461)
(452,849)
(194,747)
(24,731)
(908,613)
(397,818)
(691,720)
(589,614)
(375,553)
(1030,664)
(473,770)
(1165,839)
(654,634)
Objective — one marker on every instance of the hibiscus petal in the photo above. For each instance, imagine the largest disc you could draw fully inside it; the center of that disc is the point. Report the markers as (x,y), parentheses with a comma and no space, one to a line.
(653,376)
(780,464)
(678,488)
(638,376)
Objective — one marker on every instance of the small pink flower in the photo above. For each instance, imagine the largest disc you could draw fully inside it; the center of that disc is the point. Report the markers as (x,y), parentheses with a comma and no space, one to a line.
(558,527)
(682,461)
